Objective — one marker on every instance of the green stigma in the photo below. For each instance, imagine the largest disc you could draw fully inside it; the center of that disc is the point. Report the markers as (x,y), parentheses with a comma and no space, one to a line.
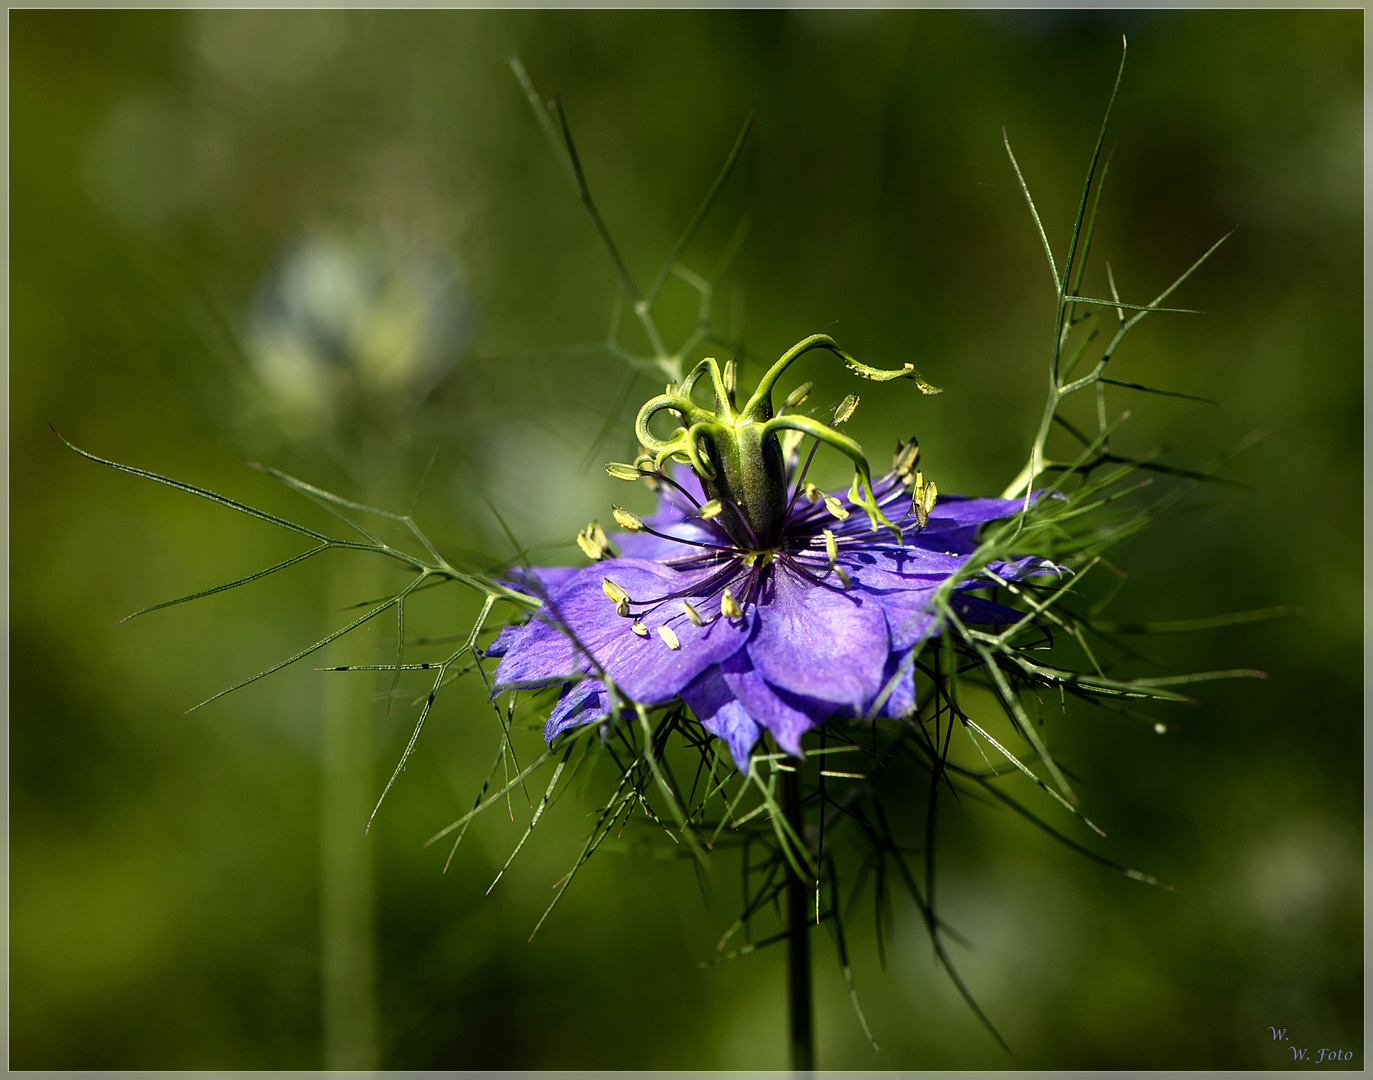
(737,452)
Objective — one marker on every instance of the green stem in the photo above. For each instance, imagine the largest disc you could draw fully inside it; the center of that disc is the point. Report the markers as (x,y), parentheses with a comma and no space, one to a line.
(347,790)
(800,1005)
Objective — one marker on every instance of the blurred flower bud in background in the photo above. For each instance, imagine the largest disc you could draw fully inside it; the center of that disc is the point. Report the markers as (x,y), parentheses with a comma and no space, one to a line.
(347,329)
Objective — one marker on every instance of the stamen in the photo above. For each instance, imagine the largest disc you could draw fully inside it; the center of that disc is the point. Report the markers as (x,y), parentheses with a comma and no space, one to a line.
(692,614)
(922,500)
(594,542)
(751,586)
(791,445)
(905,459)
(729,607)
(711,509)
(678,539)
(620,471)
(639,628)
(627,521)
(669,638)
(795,566)
(698,589)
(796,491)
(835,507)
(656,476)
(797,396)
(846,408)
(832,553)
(618,596)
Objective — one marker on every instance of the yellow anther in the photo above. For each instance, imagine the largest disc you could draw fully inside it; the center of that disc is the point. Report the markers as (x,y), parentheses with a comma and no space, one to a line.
(626,520)
(843,575)
(731,376)
(922,500)
(798,395)
(729,607)
(905,459)
(835,507)
(831,546)
(692,614)
(669,638)
(620,471)
(813,493)
(617,595)
(594,542)
(711,509)
(639,628)
(931,493)
(846,408)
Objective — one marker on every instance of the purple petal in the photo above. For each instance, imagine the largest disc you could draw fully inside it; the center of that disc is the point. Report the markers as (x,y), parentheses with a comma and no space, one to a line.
(888,566)
(538,581)
(956,510)
(646,668)
(1027,566)
(900,674)
(787,718)
(581,703)
(820,642)
(903,583)
(503,640)
(976,610)
(722,714)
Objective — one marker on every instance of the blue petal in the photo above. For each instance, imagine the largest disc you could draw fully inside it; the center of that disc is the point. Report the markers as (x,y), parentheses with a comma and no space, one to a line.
(820,642)
(538,581)
(976,610)
(956,510)
(581,703)
(900,675)
(1027,566)
(503,640)
(788,718)
(903,582)
(722,714)
(578,629)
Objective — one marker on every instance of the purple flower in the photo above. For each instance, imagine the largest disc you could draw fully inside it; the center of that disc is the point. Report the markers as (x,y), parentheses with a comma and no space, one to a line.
(816,620)
(777,642)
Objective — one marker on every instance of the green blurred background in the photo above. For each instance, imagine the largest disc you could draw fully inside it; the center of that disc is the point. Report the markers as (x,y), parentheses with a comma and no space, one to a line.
(164,868)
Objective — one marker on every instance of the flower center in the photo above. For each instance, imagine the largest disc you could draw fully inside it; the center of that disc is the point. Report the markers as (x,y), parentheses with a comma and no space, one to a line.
(760,559)
(737,451)
(750,480)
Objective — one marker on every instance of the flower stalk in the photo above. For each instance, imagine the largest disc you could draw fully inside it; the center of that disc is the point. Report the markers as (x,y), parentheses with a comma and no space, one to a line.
(800,998)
